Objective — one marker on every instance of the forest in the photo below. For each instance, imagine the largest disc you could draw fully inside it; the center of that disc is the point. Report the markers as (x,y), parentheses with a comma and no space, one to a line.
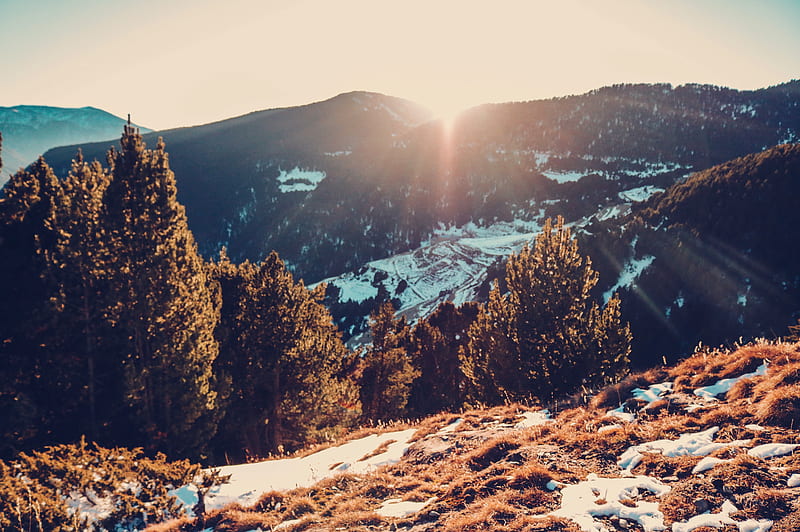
(115,330)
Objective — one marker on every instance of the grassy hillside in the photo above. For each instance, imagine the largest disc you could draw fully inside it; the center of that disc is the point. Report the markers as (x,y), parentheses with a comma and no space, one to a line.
(712,441)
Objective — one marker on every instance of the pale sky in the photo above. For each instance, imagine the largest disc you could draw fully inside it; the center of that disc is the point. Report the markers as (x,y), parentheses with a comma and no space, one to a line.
(184,62)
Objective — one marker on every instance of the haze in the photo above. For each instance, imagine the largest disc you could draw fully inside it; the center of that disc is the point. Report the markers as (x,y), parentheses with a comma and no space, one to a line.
(187,62)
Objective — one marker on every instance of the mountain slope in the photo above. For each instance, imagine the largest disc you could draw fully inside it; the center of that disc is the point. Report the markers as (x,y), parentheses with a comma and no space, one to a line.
(31,130)
(376,179)
(722,256)
(709,442)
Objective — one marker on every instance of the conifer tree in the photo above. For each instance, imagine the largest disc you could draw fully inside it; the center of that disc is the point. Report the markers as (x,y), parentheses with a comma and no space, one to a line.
(386,370)
(32,372)
(75,269)
(284,358)
(165,305)
(546,336)
(435,344)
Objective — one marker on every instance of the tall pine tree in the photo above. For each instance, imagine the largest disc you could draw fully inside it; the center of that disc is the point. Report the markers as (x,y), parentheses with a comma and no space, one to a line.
(386,370)
(35,387)
(165,305)
(435,344)
(76,270)
(546,336)
(284,360)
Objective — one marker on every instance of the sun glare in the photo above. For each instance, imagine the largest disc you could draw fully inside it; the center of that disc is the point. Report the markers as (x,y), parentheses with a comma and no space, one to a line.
(447,113)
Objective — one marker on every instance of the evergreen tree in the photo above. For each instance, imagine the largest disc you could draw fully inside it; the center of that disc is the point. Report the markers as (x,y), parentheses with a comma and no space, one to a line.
(546,336)
(284,360)
(435,344)
(165,306)
(386,370)
(75,270)
(33,378)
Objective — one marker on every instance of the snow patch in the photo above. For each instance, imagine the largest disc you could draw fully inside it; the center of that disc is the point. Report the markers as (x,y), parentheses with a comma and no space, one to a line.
(639,193)
(721,387)
(601,497)
(770,450)
(691,443)
(534,419)
(630,272)
(721,519)
(563,177)
(707,463)
(299,180)
(249,481)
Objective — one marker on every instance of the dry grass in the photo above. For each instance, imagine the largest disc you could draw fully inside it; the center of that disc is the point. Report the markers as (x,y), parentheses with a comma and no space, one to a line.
(492,451)
(486,475)
(614,395)
(743,474)
(781,407)
(684,499)
(769,504)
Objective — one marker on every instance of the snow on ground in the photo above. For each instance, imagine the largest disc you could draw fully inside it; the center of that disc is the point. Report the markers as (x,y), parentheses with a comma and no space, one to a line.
(653,393)
(630,272)
(721,387)
(770,450)
(602,497)
(563,177)
(621,414)
(639,193)
(401,508)
(249,481)
(707,463)
(299,180)
(794,481)
(690,443)
(451,266)
(534,419)
(721,519)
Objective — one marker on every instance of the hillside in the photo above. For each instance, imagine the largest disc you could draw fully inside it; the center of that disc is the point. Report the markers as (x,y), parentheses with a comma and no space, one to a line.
(378,178)
(717,256)
(30,130)
(709,443)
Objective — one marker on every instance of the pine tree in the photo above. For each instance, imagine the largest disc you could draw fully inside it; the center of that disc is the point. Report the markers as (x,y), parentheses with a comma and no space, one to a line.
(75,269)
(546,336)
(33,375)
(284,360)
(435,345)
(165,305)
(386,370)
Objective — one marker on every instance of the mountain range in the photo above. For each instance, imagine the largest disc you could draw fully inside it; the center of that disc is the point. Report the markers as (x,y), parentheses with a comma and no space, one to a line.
(371,194)
(30,130)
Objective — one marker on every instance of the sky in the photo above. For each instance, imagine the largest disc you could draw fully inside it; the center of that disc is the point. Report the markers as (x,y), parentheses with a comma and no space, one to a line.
(173,63)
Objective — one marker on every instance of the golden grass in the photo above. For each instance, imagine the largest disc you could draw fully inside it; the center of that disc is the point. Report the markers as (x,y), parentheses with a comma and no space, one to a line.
(781,407)
(486,475)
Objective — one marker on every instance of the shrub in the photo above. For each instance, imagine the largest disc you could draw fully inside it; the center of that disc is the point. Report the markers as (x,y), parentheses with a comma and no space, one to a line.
(37,489)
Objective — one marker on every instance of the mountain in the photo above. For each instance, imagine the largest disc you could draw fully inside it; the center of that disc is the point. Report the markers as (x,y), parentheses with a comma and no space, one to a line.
(30,130)
(362,176)
(367,192)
